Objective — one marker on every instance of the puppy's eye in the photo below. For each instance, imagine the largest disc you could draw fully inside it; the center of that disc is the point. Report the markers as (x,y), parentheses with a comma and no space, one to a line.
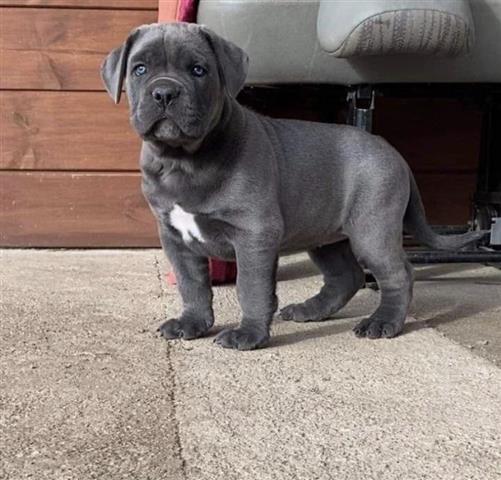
(139,70)
(198,71)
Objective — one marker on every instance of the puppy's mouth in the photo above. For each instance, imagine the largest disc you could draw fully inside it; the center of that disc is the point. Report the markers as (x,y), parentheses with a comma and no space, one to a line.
(173,128)
(165,126)
(164,129)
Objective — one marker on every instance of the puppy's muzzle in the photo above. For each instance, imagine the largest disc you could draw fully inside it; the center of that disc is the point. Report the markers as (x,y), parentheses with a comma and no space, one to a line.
(164,92)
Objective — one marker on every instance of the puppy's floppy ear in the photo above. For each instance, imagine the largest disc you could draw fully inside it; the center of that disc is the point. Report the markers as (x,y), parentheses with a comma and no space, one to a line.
(114,67)
(233,62)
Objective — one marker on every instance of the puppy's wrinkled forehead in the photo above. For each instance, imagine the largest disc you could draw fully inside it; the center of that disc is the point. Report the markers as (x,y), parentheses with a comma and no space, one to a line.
(171,43)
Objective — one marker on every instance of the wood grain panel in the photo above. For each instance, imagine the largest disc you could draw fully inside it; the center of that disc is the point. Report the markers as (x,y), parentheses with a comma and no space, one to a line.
(60,49)
(42,209)
(446,197)
(433,134)
(167,10)
(66,131)
(118,4)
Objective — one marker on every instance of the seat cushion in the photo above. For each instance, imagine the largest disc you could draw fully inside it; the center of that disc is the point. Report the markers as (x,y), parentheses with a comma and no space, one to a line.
(348,28)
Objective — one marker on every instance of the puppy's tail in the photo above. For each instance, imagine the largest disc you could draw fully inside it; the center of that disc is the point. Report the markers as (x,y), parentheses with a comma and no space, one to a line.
(416,224)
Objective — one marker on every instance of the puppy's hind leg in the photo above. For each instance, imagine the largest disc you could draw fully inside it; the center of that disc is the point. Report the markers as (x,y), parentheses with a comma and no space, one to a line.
(384,256)
(343,277)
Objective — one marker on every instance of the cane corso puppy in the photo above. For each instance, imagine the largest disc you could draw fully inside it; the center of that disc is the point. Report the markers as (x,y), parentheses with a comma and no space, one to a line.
(226,182)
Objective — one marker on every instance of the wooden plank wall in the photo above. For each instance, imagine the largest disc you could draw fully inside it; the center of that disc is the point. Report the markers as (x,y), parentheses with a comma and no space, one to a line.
(68,163)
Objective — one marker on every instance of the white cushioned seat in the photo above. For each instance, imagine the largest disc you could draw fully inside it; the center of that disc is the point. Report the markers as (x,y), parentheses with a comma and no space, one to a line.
(348,28)
(281,39)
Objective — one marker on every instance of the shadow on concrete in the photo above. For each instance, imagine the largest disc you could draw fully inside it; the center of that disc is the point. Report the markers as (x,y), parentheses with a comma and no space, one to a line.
(431,272)
(442,273)
(466,309)
(305,269)
(327,328)
(294,271)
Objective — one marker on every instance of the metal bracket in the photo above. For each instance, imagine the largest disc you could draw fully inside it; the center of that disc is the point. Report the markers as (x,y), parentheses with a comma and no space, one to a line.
(495,240)
(361,107)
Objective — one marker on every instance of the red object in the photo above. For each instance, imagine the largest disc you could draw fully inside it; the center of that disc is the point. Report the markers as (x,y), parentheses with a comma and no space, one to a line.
(187,11)
(171,278)
(221,272)
(177,10)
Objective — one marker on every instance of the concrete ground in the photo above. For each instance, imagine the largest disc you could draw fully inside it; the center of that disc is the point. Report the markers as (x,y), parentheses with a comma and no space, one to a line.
(88,390)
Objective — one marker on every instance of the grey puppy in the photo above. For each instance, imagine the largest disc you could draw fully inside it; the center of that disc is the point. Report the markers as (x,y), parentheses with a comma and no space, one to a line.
(226,182)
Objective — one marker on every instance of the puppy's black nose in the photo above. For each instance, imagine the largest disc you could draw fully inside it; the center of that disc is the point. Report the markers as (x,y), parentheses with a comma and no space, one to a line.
(164,96)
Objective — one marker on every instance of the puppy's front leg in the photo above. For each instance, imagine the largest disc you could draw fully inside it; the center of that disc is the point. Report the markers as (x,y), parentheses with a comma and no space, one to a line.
(192,276)
(256,283)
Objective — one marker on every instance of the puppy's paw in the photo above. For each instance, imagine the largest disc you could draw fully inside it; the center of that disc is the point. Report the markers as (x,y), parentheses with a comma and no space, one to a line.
(301,312)
(242,338)
(378,327)
(293,313)
(186,327)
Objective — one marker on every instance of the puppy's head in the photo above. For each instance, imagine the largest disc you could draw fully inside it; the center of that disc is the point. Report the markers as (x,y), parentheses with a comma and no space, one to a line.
(177,77)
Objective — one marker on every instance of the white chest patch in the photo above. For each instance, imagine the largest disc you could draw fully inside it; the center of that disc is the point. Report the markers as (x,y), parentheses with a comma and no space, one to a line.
(185,224)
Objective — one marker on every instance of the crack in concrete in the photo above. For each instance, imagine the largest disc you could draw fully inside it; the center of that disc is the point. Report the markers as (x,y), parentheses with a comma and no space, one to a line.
(171,384)
(159,276)
(173,399)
